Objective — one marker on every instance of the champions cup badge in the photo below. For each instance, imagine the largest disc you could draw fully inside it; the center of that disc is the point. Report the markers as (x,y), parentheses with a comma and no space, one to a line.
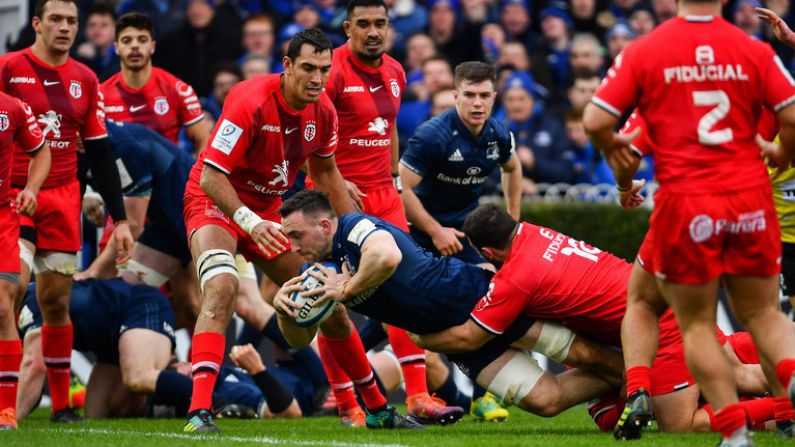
(3,122)
(75,89)
(161,106)
(309,132)
(393,85)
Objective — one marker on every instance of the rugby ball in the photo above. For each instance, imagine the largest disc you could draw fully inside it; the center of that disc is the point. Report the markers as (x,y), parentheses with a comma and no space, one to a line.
(309,314)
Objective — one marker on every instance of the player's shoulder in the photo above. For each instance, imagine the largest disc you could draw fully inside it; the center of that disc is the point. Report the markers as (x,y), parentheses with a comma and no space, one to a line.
(499,129)
(11,57)
(111,82)
(325,107)
(171,81)
(252,92)
(393,66)
(80,69)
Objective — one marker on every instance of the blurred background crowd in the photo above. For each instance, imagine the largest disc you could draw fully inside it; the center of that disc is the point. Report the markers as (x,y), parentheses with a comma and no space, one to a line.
(550,57)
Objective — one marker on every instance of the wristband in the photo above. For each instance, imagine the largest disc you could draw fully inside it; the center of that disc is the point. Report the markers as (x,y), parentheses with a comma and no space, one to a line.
(246,219)
(397,182)
(620,189)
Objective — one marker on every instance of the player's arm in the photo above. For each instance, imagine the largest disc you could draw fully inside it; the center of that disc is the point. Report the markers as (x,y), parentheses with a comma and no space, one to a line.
(38,170)
(512,186)
(395,161)
(198,133)
(779,27)
(462,338)
(280,402)
(107,183)
(329,180)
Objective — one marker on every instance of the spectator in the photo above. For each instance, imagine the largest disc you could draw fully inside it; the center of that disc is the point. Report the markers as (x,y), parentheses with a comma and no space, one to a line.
(442,18)
(516,20)
(556,27)
(436,74)
(541,143)
(226,76)
(515,53)
(443,100)
(166,14)
(407,19)
(586,54)
(584,153)
(210,35)
(617,38)
(578,95)
(97,52)
(663,9)
(584,17)
(255,65)
(492,39)
(418,48)
(285,34)
(744,16)
(258,37)
(641,20)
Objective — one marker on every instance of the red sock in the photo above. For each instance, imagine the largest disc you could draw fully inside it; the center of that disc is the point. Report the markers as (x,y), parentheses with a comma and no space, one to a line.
(349,353)
(10,359)
(730,419)
(412,360)
(207,355)
(56,347)
(605,411)
(743,345)
(638,377)
(713,426)
(783,409)
(760,410)
(341,384)
(784,371)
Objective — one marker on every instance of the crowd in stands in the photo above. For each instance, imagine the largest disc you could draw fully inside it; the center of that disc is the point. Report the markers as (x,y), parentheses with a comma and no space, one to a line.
(550,56)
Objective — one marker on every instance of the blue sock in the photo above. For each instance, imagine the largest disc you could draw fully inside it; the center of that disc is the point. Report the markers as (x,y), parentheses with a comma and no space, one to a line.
(450,393)
(174,389)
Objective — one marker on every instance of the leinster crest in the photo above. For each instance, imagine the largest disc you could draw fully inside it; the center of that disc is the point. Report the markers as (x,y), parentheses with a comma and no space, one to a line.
(393,85)
(75,89)
(4,123)
(161,106)
(309,132)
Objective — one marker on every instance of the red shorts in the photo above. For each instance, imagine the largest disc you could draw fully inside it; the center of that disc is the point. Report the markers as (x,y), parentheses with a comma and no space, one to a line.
(9,238)
(698,237)
(385,203)
(200,211)
(669,371)
(646,253)
(744,347)
(57,218)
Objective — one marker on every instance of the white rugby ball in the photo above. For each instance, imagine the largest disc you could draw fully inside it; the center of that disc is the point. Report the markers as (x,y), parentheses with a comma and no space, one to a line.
(309,314)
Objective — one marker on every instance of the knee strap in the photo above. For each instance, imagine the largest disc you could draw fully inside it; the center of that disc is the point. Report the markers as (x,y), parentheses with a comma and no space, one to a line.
(212,263)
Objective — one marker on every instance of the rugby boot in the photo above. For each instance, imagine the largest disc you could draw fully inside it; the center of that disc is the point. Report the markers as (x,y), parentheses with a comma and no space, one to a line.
(486,409)
(67,416)
(200,421)
(353,417)
(637,415)
(427,409)
(740,440)
(786,429)
(8,419)
(391,419)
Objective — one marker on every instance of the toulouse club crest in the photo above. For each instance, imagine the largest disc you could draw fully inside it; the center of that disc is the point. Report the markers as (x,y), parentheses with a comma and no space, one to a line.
(161,106)
(393,85)
(309,132)
(4,122)
(75,89)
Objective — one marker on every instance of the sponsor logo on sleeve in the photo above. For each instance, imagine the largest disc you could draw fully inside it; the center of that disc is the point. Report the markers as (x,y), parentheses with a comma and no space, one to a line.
(227,136)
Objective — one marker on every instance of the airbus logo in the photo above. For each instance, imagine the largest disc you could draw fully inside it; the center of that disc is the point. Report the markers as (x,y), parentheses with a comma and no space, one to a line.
(271,128)
(353,89)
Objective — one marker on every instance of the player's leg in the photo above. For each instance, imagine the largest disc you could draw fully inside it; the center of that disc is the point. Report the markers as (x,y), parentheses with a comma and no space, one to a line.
(213,249)
(32,373)
(103,382)
(186,297)
(10,350)
(27,250)
(679,411)
(141,367)
(149,266)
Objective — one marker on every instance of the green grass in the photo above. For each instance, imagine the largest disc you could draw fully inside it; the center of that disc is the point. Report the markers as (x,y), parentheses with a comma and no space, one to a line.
(571,429)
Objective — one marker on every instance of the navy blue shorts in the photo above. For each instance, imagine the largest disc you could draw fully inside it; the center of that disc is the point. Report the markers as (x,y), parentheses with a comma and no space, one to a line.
(236,386)
(167,238)
(468,254)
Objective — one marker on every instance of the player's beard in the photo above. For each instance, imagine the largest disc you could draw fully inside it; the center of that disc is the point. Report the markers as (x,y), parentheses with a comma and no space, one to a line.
(367,55)
(142,63)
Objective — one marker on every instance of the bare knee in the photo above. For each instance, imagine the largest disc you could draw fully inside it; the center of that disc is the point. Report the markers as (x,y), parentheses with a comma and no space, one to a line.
(135,382)
(219,297)
(338,325)
(545,403)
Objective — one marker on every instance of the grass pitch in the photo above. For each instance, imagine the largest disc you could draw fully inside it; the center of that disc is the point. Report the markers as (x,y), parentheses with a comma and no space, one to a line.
(573,428)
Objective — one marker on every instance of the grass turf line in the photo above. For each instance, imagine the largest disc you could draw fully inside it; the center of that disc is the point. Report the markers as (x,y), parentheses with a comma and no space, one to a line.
(571,429)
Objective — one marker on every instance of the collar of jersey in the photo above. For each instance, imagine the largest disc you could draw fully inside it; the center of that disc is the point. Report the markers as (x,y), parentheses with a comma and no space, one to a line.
(358,64)
(29,52)
(459,125)
(129,89)
(699,19)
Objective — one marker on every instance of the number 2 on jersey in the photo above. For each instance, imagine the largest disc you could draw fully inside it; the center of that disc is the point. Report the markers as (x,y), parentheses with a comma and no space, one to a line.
(720,100)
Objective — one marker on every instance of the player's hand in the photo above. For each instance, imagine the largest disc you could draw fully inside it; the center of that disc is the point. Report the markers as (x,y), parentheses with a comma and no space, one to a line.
(356,194)
(282,303)
(333,284)
(26,202)
(526,157)
(124,242)
(246,357)
(94,209)
(632,198)
(777,25)
(620,155)
(772,155)
(446,240)
(269,238)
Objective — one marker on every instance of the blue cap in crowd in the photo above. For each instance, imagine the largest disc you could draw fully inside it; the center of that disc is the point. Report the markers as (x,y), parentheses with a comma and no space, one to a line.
(520,79)
(523,3)
(453,4)
(288,31)
(556,11)
(621,28)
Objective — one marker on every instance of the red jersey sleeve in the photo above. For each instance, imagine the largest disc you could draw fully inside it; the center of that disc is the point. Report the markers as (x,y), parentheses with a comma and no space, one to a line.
(94,123)
(640,144)
(619,88)
(189,108)
(234,132)
(331,83)
(28,137)
(779,87)
(499,308)
(329,146)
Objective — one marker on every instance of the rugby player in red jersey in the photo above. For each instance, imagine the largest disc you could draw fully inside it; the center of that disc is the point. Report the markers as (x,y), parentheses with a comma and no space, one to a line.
(18,128)
(65,98)
(365,85)
(714,220)
(149,95)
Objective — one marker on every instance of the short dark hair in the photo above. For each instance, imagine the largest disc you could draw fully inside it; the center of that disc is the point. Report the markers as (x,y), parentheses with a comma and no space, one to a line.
(475,72)
(309,202)
(489,225)
(135,20)
(314,37)
(365,4)
(227,67)
(38,9)
(585,74)
(102,9)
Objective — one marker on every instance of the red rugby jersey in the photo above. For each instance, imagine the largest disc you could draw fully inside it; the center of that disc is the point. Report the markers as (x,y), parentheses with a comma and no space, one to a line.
(260,142)
(367,102)
(17,127)
(67,104)
(700,84)
(164,104)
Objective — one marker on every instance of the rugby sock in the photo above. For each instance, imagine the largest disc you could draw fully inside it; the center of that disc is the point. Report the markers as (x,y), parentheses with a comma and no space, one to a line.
(450,393)
(638,377)
(412,360)
(713,426)
(349,354)
(605,411)
(56,347)
(341,384)
(783,409)
(760,410)
(784,370)
(174,389)
(276,395)
(731,419)
(207,356)
(307,357)
(10,359)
